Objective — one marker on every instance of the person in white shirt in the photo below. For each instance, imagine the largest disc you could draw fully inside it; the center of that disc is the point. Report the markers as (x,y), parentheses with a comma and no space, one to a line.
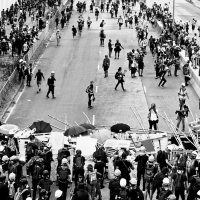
(153,117)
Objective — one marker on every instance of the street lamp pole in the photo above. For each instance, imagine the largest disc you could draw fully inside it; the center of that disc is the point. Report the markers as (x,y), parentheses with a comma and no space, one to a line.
(173,11)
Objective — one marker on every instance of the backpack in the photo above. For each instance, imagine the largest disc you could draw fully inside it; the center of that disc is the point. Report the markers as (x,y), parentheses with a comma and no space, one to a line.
(11,189)
(149,172)
(196,186)
(123,195)
(92,176)
(37,171)
(78,162)
(164,194)
(63,176)
(116,75)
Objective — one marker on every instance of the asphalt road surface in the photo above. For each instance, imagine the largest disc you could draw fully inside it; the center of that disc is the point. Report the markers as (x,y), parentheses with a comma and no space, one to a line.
(78,61)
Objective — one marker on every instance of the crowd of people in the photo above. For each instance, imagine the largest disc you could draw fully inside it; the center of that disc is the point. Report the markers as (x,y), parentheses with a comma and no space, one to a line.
(21,37)
(132,174)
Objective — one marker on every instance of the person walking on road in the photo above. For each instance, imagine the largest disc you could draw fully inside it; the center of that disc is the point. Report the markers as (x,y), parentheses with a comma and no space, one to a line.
(110,48)
(39,76)
(186,73)
(120,77)
(89,22)
(50,83)
(58,37)
(117,49)
(102,36)
(74,31)
(90,92)
(182,94)
(102,24)
(96,13)
(120,22)
(162,76)
(106,65)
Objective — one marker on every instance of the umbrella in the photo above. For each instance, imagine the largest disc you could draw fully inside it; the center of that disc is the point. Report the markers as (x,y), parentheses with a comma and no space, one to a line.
(41,127)
(88,126)
(120,127)
(75,131)
(8,129)
(102,135)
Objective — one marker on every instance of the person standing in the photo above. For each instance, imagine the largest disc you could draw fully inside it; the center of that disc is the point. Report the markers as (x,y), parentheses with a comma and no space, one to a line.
(110,48)
(182,94)
(186,73)
(58,37)
(90,91)
(102,36)
(153,117)
(39,76)
(176,66)
(50,83)
(120,22)
(120,77)
(140,65)
(117,49)
(106,65)
(74,31)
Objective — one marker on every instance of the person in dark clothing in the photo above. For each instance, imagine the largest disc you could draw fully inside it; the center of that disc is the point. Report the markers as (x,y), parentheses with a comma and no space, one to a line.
(106,65)
(141,160)
(110,48)
(162,76)
(100,152)
(120,77)
(50,83)
(135,192)
(81,193)
(63,153)
(90,92)
(39,76)
(117,49)
(124,166)
(4,191)
(31,148)
(100,167)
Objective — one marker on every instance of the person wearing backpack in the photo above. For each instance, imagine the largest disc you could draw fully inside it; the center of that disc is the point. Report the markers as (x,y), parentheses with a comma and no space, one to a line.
(179,183)
(45,183)
(158,180)
(79,162)
(36,176)
(92,182)
(165,190)
(123,191)
(63,177)
(135,192)
(114,184)
(119,75)
(150,171)
(31,148)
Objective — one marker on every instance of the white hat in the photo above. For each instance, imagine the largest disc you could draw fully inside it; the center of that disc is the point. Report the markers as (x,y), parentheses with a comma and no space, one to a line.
(166,181)
(2,148)
(12,176)
(5,158)
(142,148)
(28,198)
(52,72)
(49,145)
(123,182)
(64,161)
(198,193)
(183,84)
(117,172)
(58,193)
(21,60)
(172,197)
(133,181)
(151,158)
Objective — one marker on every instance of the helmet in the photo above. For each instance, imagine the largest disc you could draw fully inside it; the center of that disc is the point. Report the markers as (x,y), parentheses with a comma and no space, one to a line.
(64,161)
(12,176)
(183,84)
(165,181)
(172,197)
(45,172)
(142,148)
(52,72)
(117,172)
(198,193)
(49,145)
(123,182)
(58,193)
(28,198)
(151,158)
(2,148)
(5,158)
(194,153)
(133,181)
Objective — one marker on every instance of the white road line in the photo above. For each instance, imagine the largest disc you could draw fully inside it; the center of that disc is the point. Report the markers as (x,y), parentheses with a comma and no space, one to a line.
(96,89)
(98,67)
(93,120)
(14,105)
(145,91)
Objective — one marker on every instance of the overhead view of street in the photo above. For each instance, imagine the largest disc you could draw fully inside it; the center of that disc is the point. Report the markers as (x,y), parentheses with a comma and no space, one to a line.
(101,101)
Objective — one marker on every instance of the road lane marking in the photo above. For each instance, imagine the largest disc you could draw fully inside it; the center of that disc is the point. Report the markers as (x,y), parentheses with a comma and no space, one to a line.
(96,89)
(145,91)
(98,67)
(93,120)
